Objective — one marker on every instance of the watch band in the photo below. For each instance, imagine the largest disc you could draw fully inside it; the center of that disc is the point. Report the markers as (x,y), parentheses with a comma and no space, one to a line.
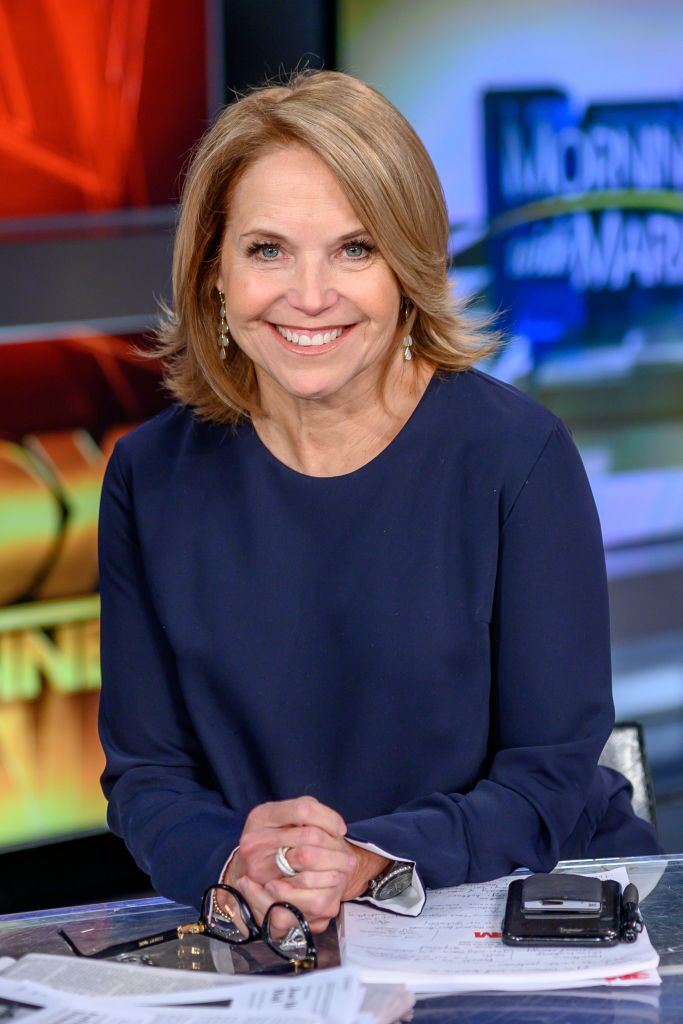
(391,882)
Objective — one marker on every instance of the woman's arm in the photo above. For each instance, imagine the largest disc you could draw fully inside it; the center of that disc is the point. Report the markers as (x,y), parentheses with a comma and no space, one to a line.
(551,703)
(162,800)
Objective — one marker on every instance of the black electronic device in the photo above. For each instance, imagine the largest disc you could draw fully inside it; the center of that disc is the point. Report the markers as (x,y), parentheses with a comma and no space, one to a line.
(563,910)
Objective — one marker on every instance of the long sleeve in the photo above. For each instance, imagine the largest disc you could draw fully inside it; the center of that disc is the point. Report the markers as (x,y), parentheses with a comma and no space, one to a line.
(422,644)
(551,704)
(162,798)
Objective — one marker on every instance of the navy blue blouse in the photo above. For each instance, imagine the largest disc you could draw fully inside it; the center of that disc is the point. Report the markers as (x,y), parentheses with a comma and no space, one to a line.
(422,644)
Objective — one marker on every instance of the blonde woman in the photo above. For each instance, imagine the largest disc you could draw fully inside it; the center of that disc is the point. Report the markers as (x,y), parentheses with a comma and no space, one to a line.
(355,631)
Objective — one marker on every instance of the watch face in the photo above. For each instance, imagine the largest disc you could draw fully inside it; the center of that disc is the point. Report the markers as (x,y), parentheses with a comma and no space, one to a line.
(395,886)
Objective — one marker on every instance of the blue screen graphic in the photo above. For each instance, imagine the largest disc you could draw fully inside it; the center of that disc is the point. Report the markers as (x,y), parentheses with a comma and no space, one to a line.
(585,224)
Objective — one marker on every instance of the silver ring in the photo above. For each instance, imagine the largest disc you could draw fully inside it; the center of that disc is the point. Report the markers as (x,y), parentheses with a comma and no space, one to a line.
(282,863)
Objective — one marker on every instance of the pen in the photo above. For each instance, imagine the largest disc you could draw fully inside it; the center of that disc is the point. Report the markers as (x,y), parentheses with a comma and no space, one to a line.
(631,918)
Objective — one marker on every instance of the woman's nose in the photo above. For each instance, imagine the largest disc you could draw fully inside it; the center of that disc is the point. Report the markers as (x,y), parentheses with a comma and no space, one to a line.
(311,290)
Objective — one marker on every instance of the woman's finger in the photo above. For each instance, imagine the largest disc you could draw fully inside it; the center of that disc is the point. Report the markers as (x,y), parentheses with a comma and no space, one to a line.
(319,925)
(313,903)
(308,848)
(267,840)
(314,880)
(304,810)
(256,896)
(260,901)
(305,859)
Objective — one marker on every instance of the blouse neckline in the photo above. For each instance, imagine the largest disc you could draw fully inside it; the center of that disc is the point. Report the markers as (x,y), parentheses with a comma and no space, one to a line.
(393,446)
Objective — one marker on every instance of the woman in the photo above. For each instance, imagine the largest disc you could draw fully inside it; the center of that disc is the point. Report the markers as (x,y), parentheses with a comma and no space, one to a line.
(354,609)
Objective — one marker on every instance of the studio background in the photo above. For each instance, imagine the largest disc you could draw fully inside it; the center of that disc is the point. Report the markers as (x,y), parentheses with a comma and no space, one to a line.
(557,131)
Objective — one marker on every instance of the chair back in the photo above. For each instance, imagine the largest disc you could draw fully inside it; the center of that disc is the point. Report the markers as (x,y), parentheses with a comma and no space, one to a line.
(625,751)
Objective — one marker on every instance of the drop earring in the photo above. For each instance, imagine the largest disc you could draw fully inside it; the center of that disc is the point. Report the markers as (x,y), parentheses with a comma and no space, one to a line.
(223,329)
(407,341)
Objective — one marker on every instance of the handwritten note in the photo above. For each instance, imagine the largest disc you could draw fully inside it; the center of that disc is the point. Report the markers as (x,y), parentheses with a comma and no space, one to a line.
(455,945)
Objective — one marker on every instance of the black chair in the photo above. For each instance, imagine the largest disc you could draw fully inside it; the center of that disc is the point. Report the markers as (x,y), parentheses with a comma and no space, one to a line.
(625,751)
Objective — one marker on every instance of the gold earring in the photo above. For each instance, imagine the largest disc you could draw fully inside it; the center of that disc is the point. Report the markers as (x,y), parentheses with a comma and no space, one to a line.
(223,329)
(407,342)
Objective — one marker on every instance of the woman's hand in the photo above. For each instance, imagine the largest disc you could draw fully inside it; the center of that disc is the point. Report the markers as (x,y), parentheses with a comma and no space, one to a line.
(321,903)
(329,870)
(313,832)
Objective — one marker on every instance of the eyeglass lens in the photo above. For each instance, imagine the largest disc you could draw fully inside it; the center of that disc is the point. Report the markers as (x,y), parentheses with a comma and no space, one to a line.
(228,917)
(284,933)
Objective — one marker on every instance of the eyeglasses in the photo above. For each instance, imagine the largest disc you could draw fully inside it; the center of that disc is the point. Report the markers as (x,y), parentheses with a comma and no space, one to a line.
(225,915)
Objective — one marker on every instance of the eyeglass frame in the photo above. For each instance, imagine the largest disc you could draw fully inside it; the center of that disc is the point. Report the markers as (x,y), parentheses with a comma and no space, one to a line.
(201,927)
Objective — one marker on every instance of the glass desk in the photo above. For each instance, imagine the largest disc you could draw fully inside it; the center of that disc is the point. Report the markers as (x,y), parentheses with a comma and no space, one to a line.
(659,881)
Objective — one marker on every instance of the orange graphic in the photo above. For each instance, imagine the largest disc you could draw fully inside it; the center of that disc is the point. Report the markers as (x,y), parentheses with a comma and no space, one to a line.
(50,492)
(88,120)
(79,395)
(50,759)
(100,102)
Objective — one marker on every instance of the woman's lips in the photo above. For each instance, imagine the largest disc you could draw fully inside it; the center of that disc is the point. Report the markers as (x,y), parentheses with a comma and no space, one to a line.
(314,346)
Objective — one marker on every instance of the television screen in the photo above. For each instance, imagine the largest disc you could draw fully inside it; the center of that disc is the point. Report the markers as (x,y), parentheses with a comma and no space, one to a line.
(557,132)
(102,101)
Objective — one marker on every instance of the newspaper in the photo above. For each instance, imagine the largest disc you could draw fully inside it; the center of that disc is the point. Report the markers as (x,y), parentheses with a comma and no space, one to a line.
(455,946)
(76,1015)
(104,977)
(102,992)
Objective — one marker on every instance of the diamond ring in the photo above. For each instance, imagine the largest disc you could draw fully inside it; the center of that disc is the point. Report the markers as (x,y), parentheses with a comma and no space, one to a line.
(282,863)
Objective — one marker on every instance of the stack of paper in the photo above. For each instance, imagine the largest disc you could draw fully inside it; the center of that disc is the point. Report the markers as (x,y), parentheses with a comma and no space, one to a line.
(65,990)
(455,946)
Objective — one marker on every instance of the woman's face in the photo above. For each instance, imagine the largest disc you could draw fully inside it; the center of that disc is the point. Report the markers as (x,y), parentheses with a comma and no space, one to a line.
(308,297)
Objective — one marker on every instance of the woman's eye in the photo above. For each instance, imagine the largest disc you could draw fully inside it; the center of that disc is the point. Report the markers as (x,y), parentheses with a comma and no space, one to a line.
(356,250)
(271,251)
(264,250)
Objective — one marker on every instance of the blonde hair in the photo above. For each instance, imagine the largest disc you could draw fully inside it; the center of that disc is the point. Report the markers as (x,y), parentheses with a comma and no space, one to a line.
(390,181)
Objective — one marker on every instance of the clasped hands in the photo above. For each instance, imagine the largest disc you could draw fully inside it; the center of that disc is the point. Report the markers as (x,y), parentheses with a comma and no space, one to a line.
(329,869)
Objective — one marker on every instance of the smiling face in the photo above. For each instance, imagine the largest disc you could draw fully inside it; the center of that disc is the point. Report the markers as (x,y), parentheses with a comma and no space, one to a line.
(308,296)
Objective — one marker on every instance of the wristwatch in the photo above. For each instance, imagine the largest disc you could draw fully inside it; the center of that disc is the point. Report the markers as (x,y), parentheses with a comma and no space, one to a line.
(391,882)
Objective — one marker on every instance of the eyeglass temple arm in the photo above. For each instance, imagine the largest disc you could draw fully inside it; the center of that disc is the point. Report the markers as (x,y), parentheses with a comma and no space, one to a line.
(134,944)
(288,967)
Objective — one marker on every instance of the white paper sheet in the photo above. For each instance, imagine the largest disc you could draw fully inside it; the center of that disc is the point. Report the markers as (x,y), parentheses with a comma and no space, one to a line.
(79,1014)
(98,977)
(76,1015)
(455,946)
(333,995)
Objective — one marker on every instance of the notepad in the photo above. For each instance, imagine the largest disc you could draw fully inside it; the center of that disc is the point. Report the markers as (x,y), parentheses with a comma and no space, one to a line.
(455,946)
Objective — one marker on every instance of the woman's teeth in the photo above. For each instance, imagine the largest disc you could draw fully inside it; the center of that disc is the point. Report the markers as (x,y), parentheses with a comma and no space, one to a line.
(308,339)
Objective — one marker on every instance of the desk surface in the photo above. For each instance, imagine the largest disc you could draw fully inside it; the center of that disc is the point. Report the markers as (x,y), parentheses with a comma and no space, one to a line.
(659,880)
